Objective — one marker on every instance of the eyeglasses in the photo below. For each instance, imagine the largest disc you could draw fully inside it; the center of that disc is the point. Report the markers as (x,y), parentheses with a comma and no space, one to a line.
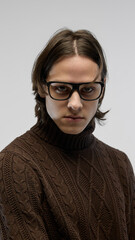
(63,90)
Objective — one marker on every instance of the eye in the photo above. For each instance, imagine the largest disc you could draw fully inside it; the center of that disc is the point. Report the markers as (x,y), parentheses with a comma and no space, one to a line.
(87,90)
(61,89)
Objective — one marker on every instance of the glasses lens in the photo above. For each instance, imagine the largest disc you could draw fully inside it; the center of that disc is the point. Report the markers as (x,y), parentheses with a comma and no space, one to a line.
(90,91)
(60,91)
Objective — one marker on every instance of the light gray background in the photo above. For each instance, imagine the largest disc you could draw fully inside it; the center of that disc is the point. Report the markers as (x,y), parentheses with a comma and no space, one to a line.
(26,26)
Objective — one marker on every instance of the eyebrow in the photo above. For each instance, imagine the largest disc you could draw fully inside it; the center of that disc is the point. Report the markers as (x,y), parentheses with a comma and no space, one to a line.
(94,80)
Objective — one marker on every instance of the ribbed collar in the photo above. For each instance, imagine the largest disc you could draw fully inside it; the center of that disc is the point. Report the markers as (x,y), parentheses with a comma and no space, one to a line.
(50,133)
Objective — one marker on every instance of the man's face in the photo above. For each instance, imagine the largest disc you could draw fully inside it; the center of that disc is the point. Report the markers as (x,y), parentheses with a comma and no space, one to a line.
(72,115)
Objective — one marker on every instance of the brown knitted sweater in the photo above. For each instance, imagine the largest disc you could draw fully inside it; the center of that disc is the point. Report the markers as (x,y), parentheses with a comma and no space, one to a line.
(57,186)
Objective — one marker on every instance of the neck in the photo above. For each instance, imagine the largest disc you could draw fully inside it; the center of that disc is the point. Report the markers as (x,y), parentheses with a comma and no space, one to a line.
(49,132)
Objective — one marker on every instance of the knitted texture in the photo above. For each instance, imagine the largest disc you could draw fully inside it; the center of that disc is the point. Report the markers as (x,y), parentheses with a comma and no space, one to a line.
(78,188)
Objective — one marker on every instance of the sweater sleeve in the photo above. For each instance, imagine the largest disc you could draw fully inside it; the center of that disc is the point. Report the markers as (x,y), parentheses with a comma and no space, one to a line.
(20,200)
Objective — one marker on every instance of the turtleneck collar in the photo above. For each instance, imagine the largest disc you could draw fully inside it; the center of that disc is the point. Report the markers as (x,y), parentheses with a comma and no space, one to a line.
(50,133)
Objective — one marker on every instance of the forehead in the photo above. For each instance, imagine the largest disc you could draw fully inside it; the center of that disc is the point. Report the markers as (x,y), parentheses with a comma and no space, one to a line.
(74,69)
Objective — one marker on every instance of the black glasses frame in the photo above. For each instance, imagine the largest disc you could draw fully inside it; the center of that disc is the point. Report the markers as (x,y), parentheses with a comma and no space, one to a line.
(75,87)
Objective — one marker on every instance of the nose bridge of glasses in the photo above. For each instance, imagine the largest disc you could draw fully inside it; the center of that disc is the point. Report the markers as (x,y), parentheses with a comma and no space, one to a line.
(75,87)
(75,94)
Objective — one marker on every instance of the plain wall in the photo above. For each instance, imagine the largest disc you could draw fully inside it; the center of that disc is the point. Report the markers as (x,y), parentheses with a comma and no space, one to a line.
(26,26)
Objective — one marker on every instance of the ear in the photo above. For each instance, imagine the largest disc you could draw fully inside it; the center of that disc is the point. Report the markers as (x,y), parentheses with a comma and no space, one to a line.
(41,90)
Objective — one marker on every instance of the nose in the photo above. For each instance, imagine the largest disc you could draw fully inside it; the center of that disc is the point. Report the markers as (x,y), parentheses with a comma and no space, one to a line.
(75,102)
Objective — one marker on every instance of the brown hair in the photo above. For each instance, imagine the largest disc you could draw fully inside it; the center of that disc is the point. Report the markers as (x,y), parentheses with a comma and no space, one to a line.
(65,43)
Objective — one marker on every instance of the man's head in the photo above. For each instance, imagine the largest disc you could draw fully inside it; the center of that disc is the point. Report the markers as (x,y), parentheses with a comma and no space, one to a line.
(68,47)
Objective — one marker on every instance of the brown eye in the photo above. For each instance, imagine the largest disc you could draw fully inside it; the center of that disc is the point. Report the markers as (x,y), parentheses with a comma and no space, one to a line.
(87,90)
(61,89)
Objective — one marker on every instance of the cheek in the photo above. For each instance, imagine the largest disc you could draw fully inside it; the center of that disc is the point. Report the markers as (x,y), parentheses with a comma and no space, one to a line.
(52,108)
(92,108)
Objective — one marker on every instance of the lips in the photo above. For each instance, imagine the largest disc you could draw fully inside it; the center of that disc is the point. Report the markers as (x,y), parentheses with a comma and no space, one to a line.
(74,117)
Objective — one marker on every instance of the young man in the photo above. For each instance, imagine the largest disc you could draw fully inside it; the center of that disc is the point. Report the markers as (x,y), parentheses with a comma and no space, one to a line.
(57,181)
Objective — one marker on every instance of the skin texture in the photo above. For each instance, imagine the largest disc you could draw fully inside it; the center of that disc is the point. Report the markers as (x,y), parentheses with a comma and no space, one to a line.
(72,115)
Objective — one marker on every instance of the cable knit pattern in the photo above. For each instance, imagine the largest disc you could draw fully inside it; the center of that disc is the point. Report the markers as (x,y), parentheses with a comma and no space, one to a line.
(58,186)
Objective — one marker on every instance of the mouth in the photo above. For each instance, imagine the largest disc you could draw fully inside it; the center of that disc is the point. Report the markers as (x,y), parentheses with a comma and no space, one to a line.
(73,118)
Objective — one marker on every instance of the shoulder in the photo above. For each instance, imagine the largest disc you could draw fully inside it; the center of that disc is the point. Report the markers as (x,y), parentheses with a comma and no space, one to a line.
(17,143)
(112,153)
(25,146)
(20,186)
(18,170)
(120,170)
(18,157)
(17,160)
(117,159)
